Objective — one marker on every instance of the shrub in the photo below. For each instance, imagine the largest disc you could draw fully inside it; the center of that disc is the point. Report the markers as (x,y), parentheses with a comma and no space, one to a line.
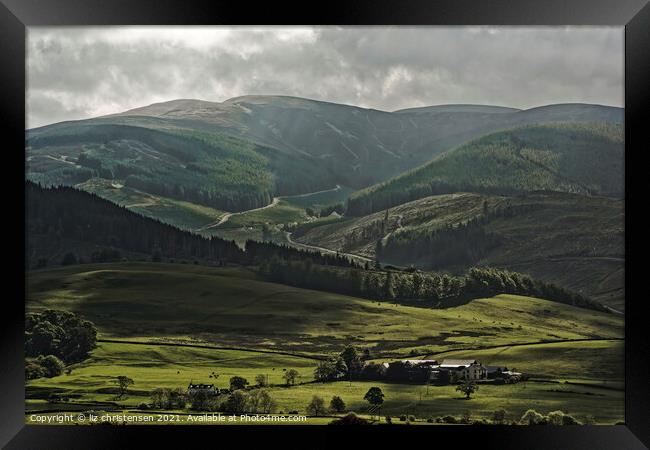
(499,416)
(402,418)
(589,420)
(44,366)
(560,418)
(411,418)
(143,406)
(532,417)
(52,365)
(430,420)
(33,370)
(389,420)
(569,420)
(350,419)
(449,419)
(555,417)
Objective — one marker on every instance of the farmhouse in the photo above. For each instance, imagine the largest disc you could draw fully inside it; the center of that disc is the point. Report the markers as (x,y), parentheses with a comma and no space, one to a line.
(464,369)
(502,372)
(203,388)
(446,372)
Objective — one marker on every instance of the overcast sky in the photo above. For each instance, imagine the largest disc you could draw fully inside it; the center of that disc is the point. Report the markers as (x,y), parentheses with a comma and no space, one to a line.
(81,72)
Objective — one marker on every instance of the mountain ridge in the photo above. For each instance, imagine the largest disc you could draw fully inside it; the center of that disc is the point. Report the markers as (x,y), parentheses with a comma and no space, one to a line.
(239,154)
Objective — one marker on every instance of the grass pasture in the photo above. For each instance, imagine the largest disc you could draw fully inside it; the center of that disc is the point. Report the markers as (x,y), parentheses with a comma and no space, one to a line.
(590,362)
(232,307)
(91,386)
(152,366)
(182,214)
(322,198)
(269,327)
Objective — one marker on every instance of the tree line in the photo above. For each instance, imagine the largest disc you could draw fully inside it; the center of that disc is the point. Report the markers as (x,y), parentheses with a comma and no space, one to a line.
(429,289)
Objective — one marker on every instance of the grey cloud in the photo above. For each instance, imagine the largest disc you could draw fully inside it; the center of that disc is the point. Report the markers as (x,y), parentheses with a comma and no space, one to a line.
(76,73)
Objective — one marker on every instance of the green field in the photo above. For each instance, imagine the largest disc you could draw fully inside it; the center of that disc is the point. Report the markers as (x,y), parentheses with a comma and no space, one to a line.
(282,212)
(319,199)
(152,366)
(91,385)
(268,327)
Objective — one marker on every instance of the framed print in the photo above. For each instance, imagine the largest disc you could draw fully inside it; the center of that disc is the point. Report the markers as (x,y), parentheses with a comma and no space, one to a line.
(245,222)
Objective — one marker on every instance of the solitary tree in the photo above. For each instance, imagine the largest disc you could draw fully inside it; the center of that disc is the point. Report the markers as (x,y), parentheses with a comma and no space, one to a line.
(123,383)
(238,383)
(467,388)
(290,376)
(316,406)
(374,396)
(337,404)
(261,379)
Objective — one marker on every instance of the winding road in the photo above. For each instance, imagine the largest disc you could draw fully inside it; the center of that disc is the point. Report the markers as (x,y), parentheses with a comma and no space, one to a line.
(223,219)
(227,216)
(323,249)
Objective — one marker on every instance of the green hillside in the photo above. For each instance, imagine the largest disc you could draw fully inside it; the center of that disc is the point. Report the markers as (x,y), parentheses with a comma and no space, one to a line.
(572,240)
(239,154)
(205,168)
(265,328)
(232,307)
(579,158)
(182,214)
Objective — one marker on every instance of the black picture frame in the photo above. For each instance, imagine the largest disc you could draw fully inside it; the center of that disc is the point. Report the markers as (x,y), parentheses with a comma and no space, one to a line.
(15,15)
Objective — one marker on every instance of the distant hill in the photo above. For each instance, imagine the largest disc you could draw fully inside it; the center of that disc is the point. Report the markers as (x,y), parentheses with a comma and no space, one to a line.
(238,154)
(64,220)
(459,108)
(571,240)
(582,158)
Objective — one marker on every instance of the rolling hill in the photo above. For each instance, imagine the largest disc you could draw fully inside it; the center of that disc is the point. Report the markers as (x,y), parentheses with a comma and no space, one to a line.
(239,154)
(234,307)
(230,323)
(572,240)
(579,158)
